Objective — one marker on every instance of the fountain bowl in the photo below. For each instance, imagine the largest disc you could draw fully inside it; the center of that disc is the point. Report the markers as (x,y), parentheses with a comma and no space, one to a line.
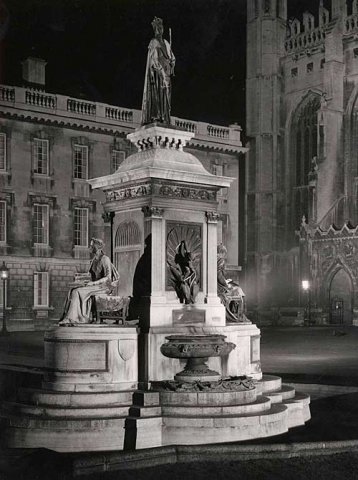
(196,349)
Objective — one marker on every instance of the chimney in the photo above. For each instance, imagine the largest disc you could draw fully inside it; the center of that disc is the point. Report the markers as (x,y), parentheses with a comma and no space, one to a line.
(33,72)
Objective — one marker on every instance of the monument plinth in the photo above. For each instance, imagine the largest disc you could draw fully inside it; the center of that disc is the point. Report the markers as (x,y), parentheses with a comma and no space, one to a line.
(172,198)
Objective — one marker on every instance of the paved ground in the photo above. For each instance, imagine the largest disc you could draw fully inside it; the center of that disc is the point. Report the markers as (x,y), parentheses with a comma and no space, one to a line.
(328,353)
(325,355)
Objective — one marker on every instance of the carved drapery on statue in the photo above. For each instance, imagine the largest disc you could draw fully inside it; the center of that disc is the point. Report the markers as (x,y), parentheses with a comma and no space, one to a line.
(156,104)
(184,252)
(229,292)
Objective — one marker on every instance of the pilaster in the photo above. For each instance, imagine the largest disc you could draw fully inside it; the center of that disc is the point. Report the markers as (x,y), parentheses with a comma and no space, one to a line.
(155,227)
(211,262)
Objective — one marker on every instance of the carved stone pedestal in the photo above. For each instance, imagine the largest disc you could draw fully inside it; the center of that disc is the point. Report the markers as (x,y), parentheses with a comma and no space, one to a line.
(90,376)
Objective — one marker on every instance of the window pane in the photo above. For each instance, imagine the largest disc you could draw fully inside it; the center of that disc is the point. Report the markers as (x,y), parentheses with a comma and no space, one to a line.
(41,224)
(41,289)
(81,227)
(117,159)
(2,151)
(2,221)
(80,162)
(40,156)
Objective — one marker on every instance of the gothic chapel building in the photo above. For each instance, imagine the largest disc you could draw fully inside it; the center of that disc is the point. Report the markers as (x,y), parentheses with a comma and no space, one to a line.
(302,165)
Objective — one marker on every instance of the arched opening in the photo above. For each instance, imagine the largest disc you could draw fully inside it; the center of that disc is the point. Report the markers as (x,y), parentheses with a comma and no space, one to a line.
(127,250)
(340,298)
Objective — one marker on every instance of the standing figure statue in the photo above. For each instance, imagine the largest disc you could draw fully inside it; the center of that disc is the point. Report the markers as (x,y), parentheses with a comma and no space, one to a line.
(104,277)
(156,104)
(184,275)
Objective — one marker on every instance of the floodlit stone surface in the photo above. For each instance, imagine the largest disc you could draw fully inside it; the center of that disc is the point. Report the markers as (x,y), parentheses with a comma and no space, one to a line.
(113,366)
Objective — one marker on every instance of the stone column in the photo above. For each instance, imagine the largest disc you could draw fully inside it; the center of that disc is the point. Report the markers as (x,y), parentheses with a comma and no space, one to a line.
(211,257)
(154,218)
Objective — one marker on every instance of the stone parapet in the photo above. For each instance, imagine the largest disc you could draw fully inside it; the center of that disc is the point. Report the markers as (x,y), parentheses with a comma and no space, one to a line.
(63,110)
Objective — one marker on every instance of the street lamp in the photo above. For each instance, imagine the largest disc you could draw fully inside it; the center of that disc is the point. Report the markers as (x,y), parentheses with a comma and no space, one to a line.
(306,287)
(4,275)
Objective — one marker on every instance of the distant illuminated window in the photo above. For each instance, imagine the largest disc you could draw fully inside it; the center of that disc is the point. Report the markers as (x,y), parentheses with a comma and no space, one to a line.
(80,166)
(40,156)
(41,282)
(81,227)
(41,224)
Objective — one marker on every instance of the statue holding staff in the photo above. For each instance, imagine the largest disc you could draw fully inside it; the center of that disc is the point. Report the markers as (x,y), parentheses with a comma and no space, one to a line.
(156,104)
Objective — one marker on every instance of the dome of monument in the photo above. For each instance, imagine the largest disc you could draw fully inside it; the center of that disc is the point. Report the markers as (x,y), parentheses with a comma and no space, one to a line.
(163,158)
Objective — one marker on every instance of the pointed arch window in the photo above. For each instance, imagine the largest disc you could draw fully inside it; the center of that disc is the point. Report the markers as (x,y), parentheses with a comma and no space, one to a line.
(305,139)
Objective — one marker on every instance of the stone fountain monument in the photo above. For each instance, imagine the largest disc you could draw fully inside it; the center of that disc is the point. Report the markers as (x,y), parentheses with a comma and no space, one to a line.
(95,395)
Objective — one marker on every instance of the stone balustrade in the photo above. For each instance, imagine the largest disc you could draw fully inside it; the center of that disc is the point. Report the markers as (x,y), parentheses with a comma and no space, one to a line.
(121,114)
(34,101)
(7,94)
(83,108)
(33,97)
(187,125)
(302,41)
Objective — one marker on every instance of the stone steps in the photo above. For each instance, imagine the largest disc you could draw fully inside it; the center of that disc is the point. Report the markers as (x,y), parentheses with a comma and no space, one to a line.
(208,398)
(74,399)
(145,412)
(66,412)
(57,434)
(268,383)
(230,428)
(299,410)
(285,393)
(261,404)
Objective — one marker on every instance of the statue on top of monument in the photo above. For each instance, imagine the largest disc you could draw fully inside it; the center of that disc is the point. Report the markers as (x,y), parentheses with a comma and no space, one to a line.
(156,103)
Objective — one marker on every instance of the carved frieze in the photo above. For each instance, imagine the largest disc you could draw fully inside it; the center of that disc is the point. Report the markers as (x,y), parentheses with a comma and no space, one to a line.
(190,193)
(162,190)
(129,192)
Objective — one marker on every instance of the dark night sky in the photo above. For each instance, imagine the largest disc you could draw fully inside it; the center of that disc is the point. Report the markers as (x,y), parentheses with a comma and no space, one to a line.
(97,49)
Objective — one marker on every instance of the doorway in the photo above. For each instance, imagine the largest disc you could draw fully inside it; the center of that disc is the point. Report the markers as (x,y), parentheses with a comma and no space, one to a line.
(340,298)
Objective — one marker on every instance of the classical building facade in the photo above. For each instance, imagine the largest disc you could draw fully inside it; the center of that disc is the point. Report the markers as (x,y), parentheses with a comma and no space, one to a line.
(50,145)
(302,167)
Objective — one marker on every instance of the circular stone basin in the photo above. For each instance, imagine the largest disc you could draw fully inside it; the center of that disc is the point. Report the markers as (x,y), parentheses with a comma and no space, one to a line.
(196,349)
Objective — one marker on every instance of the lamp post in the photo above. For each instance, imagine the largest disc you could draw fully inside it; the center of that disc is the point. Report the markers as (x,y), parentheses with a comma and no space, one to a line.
(306,287)
(4,274)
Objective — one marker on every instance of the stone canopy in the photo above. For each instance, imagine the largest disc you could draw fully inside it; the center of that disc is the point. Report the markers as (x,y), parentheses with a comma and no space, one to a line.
(161,156)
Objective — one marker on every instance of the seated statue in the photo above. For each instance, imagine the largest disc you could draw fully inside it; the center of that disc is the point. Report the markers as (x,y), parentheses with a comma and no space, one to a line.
(104,276)
(229,292)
